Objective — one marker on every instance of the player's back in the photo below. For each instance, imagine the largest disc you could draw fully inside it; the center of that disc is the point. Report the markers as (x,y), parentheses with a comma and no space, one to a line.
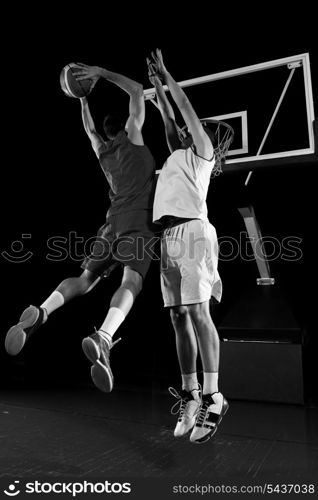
(130,172)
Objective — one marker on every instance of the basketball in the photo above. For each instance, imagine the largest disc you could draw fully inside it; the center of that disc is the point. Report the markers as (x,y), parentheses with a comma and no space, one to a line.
(72,87)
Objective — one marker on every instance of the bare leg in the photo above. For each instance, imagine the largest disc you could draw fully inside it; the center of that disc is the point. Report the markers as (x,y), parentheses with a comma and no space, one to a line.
(121,302)
(33,317)
(209,345)
(208,338)
(186,345)
(73,287)
(187,351)
(97,346)
(126,294)
(68,289)
(214,405)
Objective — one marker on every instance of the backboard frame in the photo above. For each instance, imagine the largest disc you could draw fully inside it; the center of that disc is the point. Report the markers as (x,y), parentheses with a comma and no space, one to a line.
(292,62)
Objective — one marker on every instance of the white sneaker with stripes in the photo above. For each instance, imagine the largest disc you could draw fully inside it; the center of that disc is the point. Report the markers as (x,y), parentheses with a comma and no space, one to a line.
(213,408)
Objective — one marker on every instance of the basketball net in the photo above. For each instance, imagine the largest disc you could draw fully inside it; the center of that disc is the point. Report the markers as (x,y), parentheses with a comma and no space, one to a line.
(223,137)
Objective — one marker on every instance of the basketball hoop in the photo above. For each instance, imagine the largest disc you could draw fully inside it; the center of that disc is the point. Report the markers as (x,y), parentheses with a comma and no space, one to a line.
(223,137)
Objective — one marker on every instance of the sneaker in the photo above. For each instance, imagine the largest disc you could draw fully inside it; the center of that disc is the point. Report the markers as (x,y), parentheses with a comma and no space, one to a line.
(30,320)
(187,407)
(96,349)
(213,408)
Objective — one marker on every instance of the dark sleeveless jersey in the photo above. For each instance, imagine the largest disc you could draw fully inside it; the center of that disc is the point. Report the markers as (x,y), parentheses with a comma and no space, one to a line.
(130,172)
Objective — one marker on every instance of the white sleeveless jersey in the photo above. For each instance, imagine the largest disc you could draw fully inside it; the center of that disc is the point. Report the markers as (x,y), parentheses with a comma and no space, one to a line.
(182,186)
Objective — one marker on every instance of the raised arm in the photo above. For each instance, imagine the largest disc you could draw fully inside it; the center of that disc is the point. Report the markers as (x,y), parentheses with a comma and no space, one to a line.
(89,126)
(134,89)
(166,110)
(200,138)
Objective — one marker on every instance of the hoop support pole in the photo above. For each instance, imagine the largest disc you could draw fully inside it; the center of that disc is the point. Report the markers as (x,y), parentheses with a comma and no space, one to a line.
(290,76)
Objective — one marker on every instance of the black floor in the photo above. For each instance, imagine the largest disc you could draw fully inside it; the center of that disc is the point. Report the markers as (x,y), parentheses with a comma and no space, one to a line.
(83,434)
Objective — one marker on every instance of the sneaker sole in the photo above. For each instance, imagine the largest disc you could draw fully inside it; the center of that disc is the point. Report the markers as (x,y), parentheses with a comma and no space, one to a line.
(102,377)
(100,374)
(16,336)
(90,349)
(208,436)
(185,434)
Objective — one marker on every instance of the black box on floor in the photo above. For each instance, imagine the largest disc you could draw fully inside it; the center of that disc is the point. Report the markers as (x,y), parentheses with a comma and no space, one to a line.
(262,348)
(262,371)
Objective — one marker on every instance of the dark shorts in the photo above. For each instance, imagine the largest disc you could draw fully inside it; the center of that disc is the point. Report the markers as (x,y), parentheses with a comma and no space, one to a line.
(126,239)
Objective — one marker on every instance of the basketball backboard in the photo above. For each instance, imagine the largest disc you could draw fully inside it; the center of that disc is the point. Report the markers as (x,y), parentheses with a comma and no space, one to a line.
(269,105)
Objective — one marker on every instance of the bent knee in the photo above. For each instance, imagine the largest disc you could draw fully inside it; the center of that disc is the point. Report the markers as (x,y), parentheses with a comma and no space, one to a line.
(132,286)
(178,313)
(87,281)
(132,281)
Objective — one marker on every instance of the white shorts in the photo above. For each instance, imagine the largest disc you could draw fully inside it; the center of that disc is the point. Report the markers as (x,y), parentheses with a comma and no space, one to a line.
(189,260)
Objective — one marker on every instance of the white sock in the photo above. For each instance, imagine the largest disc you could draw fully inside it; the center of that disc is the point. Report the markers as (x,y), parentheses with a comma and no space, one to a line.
(189,381)
(54,301)
(210,382)
(113,320)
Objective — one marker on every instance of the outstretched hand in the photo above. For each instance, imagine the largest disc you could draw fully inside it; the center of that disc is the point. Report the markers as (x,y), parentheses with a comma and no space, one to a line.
(153,75)
(86,72)
(157,65)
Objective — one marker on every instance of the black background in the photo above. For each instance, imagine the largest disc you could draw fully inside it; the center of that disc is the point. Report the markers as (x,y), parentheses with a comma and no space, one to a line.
(52,184)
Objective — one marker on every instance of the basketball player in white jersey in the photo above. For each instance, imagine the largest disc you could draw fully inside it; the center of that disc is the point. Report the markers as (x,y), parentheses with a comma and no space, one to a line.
(189,257)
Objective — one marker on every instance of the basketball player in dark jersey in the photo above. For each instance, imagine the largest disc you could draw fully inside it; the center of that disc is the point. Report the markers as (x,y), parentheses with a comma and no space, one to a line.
(125,238)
